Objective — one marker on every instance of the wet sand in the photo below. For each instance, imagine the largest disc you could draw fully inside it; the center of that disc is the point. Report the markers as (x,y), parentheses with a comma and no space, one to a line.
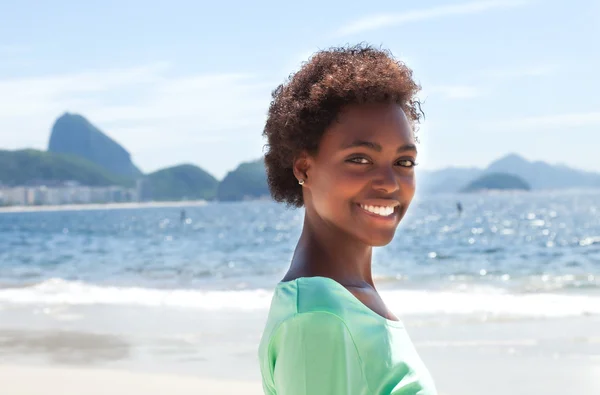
(109,350)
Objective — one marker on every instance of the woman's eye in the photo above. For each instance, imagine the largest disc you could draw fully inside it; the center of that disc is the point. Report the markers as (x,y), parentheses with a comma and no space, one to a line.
(359,160)
(406,163)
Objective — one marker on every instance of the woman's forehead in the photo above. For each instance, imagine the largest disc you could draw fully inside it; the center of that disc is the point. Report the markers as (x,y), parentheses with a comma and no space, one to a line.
(383,124)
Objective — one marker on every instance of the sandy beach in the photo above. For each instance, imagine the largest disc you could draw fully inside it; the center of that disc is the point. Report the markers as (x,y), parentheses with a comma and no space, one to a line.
(34,380)
(92,350)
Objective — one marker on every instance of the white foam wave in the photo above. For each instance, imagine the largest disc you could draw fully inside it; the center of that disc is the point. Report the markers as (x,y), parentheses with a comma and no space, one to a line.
(402,302)
(62,292)
(491,302)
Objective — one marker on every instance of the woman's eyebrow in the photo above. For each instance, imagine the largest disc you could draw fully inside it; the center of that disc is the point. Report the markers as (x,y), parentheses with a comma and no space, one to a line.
(407,147)
(377,147)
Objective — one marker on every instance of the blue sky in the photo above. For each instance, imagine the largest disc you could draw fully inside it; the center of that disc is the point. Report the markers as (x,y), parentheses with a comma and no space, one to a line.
(188,81)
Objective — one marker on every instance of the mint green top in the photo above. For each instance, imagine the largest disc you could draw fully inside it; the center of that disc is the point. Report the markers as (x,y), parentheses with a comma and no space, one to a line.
(321,340)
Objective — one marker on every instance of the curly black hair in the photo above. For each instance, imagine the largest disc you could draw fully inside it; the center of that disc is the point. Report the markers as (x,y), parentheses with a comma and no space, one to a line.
(309,101)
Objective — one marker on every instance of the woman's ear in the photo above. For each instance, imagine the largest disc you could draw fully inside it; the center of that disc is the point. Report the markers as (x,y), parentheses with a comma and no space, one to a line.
(301,167)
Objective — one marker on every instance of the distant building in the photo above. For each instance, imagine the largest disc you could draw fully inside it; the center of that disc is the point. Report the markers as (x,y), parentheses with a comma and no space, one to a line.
(143,190)
(14,196)
(54,193)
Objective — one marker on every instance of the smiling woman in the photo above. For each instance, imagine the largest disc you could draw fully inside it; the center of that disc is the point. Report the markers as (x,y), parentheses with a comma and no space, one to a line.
(341,143)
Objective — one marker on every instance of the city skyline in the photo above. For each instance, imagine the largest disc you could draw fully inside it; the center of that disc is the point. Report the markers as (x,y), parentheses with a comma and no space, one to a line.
(498,76)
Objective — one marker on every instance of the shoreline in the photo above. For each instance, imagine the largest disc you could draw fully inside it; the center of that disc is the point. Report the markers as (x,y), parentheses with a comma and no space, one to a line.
(102,206)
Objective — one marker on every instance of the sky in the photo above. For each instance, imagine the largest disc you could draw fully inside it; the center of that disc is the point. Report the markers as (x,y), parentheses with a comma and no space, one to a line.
(190,81)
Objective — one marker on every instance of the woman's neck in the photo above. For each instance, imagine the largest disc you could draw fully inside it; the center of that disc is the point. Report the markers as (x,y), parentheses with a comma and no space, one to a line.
(324,250)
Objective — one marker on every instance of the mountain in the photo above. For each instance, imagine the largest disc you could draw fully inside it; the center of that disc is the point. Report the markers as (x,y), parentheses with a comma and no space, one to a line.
(537,174)
(445,180)
(248,181)
(497,181)
(26,166)
(183,182)
(73,134)
(541,175)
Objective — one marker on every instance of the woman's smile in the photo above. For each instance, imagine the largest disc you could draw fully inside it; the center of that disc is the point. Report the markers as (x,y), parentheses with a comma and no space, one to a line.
(381,212)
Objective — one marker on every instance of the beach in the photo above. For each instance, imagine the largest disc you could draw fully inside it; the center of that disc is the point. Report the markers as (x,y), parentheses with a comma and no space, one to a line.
(502,299)
(21,380)
(466,357)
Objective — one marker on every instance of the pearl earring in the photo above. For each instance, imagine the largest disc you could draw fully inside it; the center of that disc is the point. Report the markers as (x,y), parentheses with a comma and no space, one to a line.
(301,181)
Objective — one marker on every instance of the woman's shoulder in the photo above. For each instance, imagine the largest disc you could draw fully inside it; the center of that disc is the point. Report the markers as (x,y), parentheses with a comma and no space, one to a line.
(307,301)
(314,295)
(316,302)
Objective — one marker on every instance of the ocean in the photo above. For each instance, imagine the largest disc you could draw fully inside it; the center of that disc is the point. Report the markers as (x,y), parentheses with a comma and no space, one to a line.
(511,254)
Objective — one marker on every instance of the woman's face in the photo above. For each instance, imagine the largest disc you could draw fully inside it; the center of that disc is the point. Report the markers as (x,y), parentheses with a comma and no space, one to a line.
(362,180)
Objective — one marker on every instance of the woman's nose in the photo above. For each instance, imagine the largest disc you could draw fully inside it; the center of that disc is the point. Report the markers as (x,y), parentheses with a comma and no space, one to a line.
(386,180)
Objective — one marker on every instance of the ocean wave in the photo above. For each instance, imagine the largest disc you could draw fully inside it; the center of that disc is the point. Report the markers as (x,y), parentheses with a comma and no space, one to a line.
(491,301)
(402,302)
(58,291)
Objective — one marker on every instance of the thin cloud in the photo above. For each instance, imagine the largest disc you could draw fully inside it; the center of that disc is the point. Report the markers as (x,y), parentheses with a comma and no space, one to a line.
(545,122)
(35,95)
(395,19)
(144,108)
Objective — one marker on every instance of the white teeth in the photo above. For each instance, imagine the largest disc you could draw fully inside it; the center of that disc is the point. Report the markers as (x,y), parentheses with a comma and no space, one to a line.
(384,211)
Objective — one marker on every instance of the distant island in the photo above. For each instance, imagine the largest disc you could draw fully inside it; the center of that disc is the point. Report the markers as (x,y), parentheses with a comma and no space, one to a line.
(84,165)
(538,175)
(497,182)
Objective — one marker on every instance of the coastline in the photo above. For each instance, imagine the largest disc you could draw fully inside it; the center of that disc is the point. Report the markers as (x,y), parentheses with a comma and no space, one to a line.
(102,206)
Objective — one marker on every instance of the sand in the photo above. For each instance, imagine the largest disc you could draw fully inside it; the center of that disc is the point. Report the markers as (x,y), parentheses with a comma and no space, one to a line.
(35,380)
(460,374)
(110,350)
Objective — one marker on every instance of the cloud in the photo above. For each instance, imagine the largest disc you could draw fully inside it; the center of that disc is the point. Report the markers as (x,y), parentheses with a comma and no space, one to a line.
(395,19)
(544,122)
(161,118)
(28,96)
(487,81)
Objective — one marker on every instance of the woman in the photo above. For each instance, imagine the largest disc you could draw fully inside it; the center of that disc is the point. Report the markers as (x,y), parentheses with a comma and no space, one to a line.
(341,144)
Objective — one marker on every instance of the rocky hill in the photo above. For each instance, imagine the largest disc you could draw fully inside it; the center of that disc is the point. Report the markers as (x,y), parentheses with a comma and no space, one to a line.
(73,134)
(247,181)
(183,182)
(28,166)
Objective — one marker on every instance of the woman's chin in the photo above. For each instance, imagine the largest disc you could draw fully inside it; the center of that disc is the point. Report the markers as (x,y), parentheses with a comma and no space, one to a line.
(381,243)
(379,239)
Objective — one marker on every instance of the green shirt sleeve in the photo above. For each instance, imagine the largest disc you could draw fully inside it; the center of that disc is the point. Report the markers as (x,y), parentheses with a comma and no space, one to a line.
(313,353)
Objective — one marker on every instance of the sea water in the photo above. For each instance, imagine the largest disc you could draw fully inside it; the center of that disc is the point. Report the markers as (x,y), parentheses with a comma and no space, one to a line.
(524,254)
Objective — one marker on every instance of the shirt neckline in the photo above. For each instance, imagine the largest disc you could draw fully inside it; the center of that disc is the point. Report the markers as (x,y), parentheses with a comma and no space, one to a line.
(350,295)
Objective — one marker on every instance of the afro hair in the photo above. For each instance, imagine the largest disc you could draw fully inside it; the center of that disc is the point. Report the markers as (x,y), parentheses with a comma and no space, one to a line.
(303,107)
